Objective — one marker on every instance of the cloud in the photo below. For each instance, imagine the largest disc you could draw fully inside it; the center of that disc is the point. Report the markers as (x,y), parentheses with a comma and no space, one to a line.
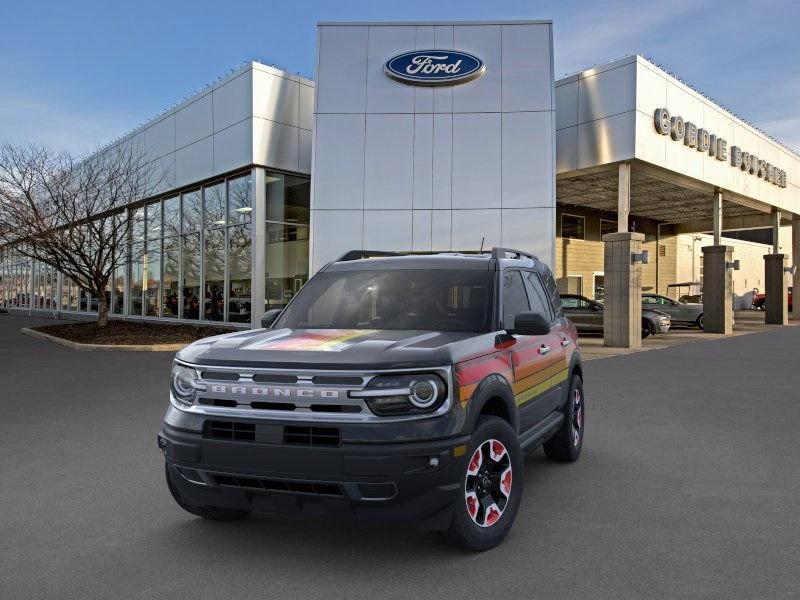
(39,117)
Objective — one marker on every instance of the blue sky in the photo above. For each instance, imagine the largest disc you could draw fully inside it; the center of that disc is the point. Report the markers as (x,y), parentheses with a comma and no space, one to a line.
(75,74)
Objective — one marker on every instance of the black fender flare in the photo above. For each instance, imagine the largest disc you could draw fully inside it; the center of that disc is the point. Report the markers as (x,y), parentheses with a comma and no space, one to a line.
(575,368)
(492,386)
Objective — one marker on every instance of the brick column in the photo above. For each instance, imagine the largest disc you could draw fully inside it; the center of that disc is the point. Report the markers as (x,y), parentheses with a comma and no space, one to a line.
(622,312)
(717,290)
(776,289)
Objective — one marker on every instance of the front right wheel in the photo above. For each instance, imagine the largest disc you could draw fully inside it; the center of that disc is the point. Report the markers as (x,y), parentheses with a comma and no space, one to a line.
(491,491)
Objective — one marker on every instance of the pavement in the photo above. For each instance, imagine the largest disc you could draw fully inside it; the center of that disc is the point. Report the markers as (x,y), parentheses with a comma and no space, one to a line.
(746,321)
(687,487)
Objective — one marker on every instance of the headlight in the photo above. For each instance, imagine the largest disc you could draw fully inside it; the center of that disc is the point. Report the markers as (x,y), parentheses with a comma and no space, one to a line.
(664,318)
(183,382)
(417,393)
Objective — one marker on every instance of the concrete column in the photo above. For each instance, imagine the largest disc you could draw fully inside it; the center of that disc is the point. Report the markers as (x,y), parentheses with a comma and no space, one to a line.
(622,313)
(258,234)
(776,289)
(717,290)
(623,197)
(717,217)
(796,263)
(776,231)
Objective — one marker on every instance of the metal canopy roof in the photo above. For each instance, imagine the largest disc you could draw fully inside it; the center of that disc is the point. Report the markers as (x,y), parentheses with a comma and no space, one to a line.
(651,197)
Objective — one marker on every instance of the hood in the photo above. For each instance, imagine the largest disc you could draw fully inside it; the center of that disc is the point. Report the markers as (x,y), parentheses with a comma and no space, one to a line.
(354,349)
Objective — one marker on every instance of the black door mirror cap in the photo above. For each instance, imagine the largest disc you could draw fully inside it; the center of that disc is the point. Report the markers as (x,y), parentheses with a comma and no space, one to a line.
(270,317)
(531,323)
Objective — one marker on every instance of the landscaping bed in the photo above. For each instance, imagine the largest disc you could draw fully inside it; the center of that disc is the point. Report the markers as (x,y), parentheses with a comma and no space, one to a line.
(120,333)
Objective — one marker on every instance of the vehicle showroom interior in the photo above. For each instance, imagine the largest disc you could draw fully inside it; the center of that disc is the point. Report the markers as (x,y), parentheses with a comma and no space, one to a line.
(621,177)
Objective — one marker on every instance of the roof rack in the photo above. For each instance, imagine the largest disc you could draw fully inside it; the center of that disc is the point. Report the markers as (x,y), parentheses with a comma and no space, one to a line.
(498,252)
(359,254)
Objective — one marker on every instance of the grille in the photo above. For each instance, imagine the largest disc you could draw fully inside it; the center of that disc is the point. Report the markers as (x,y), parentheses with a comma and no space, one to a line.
(279,485)
(230,430)
(311,436)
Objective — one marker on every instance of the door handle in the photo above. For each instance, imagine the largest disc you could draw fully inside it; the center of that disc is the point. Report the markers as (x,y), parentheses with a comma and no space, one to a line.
(544,349)
(565,342)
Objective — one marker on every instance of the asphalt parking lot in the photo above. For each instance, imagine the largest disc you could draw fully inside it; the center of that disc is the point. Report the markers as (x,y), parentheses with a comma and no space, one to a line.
(688,488)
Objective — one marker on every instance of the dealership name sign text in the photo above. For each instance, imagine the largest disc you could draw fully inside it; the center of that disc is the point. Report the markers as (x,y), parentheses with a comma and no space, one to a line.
(706,142)
(434,67)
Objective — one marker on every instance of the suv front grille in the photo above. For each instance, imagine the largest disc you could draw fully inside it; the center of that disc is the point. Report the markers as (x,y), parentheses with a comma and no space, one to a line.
(311,436)
(279,485)
(230,430)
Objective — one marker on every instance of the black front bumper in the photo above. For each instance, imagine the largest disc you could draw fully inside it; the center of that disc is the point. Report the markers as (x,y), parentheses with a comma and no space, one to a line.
(391,482)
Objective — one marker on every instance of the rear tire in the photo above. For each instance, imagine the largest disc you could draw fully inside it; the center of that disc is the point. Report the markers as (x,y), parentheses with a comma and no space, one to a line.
(566,444)
(647,329)
(487,505)
(700,322)
(215,513)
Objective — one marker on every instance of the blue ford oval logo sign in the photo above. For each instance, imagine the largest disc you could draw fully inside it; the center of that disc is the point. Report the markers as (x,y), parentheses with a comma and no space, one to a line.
(434,67)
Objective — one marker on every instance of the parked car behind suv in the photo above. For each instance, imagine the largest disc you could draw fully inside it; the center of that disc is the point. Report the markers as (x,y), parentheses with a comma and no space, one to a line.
(681,313)
(587,316)
(760,300)
(397,388)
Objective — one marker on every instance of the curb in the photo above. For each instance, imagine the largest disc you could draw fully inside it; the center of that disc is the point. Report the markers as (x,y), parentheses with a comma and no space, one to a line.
(123,347)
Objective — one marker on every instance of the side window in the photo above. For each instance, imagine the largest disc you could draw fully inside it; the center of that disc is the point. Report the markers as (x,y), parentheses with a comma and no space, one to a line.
(538,296)
(570,303)
(515,299)
(551,288)
(649,300)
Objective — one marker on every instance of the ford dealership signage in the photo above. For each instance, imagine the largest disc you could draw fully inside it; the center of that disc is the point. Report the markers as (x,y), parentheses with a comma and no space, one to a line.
(434,67)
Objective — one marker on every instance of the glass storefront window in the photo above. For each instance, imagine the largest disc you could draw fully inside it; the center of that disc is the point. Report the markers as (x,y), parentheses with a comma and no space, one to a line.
(119,291)
(239,274)
(287,263)
(172,216)
(191,276)
(135,282)
(288,198)
(152,278)
(154,220)
(192,211)
(214,291)
(171,289)
(214,202)
(137,225)
(239,209)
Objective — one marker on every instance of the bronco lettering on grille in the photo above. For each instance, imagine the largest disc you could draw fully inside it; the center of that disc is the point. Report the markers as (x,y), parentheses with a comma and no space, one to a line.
(274,392)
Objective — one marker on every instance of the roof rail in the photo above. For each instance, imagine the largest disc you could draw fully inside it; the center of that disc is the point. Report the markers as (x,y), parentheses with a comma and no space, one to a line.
(359,254)
(498,252)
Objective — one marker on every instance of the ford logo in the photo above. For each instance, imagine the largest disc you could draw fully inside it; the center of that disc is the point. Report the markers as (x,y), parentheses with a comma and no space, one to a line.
(434,67)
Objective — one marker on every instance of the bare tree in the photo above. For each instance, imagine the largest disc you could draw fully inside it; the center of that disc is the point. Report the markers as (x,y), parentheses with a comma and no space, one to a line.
(70,213)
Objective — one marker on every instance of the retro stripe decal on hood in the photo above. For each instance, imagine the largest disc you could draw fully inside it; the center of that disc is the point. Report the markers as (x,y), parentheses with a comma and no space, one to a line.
(315,340)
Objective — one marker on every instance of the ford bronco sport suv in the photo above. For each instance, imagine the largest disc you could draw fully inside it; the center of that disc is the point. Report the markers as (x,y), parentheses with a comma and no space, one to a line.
(403,388)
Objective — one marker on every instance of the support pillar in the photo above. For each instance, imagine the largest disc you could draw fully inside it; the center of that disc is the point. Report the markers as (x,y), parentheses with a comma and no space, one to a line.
(776,289)
(717,218)
(258,287)
(623,197)
(717,290)
(622,312)
(796,263)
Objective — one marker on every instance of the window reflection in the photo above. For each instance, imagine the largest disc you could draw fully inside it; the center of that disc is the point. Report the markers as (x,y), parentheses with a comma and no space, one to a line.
(239,273)
(191,276)
(152,277)
(135,279)
(192,211)
(170,276)
(214,292)
(172,216)
(214,200)
(239,209)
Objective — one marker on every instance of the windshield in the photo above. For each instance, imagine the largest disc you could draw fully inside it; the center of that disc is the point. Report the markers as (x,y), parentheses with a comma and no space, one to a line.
(440,300)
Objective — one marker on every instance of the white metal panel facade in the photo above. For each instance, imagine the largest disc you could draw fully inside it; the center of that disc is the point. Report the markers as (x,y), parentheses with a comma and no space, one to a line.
(402,167)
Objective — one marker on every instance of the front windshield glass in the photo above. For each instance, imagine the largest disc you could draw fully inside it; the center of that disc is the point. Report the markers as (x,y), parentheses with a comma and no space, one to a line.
(440,300)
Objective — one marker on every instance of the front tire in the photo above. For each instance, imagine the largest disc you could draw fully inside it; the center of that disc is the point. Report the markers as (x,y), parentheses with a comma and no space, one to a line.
(491,490)
(700,321)
(566,444)
(215,513)
(646,329)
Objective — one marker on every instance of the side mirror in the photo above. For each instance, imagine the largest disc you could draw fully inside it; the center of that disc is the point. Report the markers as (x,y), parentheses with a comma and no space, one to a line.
(270,317)
(531,323)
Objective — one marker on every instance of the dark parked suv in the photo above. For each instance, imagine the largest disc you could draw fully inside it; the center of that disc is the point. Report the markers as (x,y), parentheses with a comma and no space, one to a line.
(401,388)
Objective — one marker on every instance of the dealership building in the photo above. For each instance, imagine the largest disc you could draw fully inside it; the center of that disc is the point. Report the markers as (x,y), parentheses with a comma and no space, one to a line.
(448,137)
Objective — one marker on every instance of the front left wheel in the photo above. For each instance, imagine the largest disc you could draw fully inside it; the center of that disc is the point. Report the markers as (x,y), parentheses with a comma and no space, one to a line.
(491,491)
